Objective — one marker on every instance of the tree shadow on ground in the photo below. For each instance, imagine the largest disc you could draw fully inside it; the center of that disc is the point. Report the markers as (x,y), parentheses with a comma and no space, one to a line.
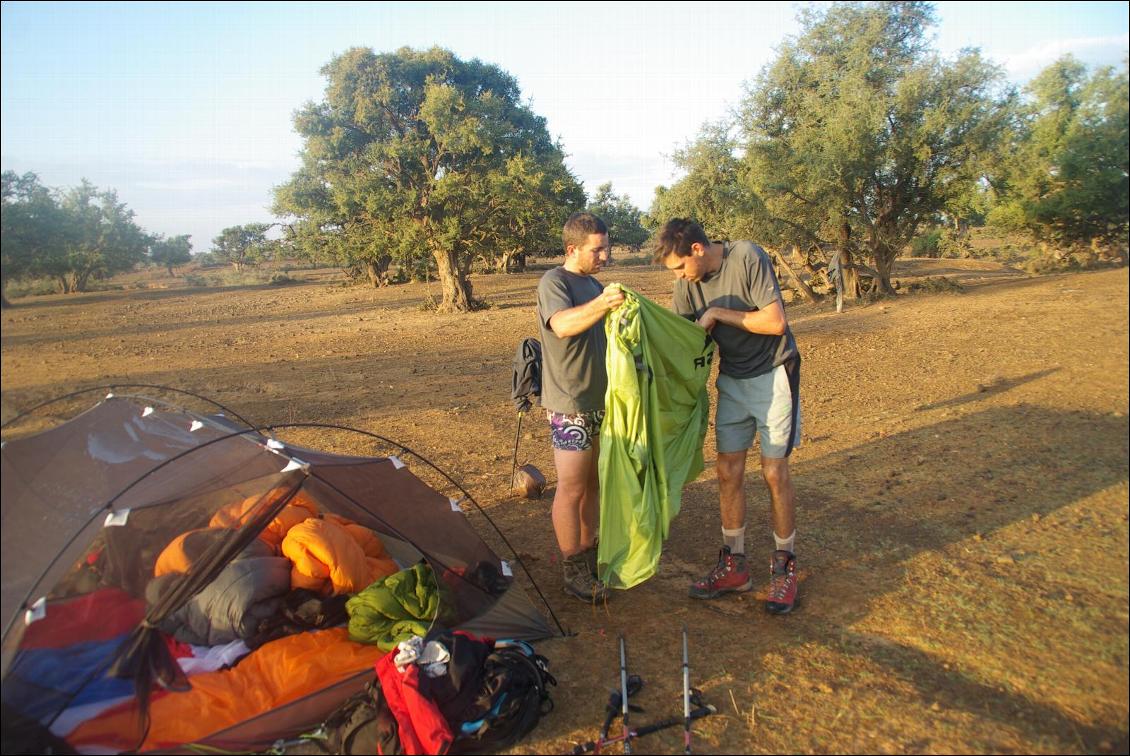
(987,390)
(863,514)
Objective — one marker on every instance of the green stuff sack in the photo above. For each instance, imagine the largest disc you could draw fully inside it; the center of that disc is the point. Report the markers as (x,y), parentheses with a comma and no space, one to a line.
(394,608)
(651,441)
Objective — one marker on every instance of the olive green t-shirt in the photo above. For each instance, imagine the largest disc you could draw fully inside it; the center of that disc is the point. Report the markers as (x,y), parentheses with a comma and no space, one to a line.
(745,282)
(573,375)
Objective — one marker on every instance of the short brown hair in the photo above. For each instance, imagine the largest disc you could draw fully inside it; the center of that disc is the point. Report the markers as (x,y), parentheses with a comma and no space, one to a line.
(676,238)
(577,229)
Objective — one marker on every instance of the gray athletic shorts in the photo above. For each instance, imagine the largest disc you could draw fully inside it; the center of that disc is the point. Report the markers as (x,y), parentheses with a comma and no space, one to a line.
(766,404)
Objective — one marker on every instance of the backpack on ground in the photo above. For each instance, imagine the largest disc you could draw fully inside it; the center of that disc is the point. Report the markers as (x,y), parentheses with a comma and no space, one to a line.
(362,725)
(493,694)
(513,696)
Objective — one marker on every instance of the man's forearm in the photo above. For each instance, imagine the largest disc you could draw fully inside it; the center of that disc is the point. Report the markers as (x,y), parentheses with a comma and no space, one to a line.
(577,319)
(768,322)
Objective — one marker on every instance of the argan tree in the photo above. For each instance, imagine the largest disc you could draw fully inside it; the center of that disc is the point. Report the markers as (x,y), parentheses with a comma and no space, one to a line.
(100,238)
(711,190)
(168,253)
(421,152)
(624,220)
(243,245)
(1066,179)
(857,121)
(32,229)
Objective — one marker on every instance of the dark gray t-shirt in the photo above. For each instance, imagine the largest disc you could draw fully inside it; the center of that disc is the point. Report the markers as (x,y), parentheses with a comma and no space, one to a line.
(573,376)
(745,282)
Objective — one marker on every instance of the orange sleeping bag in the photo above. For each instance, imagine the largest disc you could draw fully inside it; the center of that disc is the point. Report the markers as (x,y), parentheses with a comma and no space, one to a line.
(299,508)
(331,557)
(275,674)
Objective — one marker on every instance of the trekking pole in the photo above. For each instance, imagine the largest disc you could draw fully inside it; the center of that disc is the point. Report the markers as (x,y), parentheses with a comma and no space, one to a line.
(686,695)
(594,747)
(517,436)
(624,693)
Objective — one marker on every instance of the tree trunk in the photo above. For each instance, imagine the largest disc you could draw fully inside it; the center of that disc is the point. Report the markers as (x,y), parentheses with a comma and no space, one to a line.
(851,276)
(453,282)
(884,264)
(377,270)
(171,272)
(512,262)
(796,282)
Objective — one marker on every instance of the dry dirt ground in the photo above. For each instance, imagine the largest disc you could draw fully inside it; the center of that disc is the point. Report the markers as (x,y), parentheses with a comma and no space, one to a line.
(962,489)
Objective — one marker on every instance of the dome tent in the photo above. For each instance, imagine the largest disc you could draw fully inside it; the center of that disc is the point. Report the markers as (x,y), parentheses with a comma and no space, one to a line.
(90,504)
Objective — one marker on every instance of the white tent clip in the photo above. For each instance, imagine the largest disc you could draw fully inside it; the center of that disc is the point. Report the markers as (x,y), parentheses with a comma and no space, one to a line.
(275,444)
(296,464)
(147,412)
(36,611)
(196,425)
(116,519)
(110,395)
(455,505)
(506,569)
(396,462)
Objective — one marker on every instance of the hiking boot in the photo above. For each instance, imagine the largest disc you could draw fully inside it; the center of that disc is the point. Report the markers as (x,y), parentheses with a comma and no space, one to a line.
(782,583)
(730,575)
(580,580)
(589,556)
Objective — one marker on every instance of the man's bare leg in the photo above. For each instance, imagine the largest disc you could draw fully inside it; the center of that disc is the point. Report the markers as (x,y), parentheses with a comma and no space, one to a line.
(575,506)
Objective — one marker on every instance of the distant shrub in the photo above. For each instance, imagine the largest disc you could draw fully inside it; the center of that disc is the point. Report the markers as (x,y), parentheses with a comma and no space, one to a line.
(927,244)
(281,279)
(32,287)
(936,285)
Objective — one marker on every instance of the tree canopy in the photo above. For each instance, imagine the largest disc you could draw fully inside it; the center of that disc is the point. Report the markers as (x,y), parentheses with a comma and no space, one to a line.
(711,190)
(169,253)
(421,152)
(72,236)
(1065,178)
(32,229)
(858,122)
(243,245)
(624,220)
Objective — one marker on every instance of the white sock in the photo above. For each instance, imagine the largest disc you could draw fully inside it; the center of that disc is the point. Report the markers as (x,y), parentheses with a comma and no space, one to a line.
(735,539)
(785,544)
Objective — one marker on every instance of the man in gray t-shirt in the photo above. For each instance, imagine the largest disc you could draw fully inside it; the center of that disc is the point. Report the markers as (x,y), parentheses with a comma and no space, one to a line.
(571,309)
(729,289)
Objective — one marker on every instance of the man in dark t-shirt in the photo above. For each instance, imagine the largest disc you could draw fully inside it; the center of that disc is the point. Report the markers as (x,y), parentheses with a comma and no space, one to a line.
(571,309)
(729,289)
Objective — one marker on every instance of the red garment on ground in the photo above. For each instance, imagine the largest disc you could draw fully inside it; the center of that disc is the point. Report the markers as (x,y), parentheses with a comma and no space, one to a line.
(422,728)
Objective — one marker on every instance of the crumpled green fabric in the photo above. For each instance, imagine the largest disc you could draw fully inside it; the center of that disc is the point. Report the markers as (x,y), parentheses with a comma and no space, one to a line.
(657,412)
(394,608)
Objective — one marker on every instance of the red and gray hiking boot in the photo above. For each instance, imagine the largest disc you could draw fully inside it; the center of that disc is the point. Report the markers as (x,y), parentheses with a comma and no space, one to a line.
(782,583)
(730,575)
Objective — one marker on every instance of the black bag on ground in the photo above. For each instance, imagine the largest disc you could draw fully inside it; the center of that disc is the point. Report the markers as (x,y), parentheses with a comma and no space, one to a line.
(362,725)
(512,696)
(491,697)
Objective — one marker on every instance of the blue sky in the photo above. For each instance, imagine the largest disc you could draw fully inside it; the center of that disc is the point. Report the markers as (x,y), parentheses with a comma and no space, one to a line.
(185,108)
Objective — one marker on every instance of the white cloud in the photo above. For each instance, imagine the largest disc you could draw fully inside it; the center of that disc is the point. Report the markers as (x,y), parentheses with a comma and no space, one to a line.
(1089,50)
